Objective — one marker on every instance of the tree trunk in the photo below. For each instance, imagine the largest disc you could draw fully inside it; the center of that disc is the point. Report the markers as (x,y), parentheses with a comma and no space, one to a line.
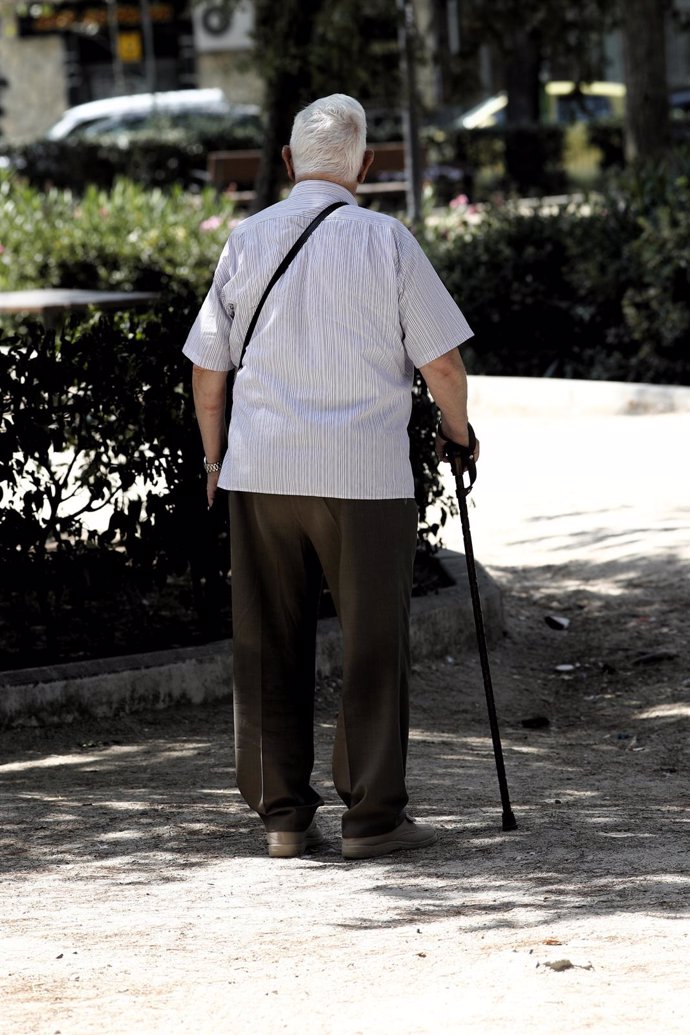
(284,35)
(280,112)
(523,64)
(523,155)
(413,153)
(647,127)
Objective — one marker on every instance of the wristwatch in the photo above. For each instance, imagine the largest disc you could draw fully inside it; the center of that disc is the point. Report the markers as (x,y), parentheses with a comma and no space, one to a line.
(212,468)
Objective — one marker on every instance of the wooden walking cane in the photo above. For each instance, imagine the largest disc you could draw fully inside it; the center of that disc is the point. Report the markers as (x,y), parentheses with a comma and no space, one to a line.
(462,463)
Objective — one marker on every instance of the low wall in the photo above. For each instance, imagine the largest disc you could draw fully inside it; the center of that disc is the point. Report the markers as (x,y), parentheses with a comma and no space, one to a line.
(441,624)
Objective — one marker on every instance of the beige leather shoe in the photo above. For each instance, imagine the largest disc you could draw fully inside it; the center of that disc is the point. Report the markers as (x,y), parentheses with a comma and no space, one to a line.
(408,835)
(289,844)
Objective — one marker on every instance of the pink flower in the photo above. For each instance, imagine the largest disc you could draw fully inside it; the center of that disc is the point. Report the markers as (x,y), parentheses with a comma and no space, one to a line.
(2,248)
(460,201)
(212,223)
(103,212)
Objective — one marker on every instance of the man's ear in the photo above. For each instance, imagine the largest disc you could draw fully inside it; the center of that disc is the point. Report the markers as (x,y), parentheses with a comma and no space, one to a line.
(366,163)
(286,155)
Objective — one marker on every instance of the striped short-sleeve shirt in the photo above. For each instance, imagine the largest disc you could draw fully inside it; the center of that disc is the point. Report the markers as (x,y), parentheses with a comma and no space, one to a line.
(322,400)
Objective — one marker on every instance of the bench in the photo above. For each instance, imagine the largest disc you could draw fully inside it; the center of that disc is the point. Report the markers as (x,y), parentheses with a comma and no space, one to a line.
(234,172)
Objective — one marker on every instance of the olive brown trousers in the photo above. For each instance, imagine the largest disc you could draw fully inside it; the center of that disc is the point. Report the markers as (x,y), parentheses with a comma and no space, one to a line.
(282,546)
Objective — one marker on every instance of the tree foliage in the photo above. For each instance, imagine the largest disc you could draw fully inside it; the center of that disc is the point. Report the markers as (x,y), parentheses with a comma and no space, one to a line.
(565,31)
(648,130)
(537,37)
(309,48)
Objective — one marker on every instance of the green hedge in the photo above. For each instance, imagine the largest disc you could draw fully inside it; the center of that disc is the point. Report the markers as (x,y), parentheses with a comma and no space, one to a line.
(597,290)
(160,159)
(128,237)
(113,392)
(98,416)
(530,157)
(607,135)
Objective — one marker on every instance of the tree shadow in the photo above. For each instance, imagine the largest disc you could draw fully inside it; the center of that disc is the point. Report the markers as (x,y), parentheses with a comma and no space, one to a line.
(598,792)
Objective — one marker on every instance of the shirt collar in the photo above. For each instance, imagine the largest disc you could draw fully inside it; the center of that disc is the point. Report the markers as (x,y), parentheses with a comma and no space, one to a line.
(321,190)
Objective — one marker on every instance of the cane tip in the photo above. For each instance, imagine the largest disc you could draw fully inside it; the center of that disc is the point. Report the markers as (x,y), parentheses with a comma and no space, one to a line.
(509,821)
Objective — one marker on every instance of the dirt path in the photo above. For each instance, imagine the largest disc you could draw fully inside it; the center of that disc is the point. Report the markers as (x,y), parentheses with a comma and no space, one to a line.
(136,894)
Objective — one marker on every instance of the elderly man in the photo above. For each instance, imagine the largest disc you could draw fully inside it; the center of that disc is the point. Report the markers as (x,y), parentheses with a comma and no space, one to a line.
(317,467)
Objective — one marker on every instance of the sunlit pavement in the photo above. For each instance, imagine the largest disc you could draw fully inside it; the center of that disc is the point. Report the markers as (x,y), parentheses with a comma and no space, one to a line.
(552,490)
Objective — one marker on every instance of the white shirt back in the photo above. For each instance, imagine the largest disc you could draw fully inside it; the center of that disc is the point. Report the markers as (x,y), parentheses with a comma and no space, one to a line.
(323,398)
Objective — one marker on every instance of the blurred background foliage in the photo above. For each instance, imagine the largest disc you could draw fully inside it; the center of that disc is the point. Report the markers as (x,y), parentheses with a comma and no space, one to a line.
(127,237)
(598,288)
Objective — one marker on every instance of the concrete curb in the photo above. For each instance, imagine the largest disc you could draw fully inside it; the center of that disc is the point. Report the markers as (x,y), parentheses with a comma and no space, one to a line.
(560,397)
(440,624)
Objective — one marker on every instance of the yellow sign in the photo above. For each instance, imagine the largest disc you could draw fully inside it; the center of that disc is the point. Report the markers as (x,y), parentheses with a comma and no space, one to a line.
(46,17)
(129,48)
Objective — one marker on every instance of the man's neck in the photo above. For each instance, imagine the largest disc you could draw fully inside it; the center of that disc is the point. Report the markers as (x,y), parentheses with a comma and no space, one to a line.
(350,186)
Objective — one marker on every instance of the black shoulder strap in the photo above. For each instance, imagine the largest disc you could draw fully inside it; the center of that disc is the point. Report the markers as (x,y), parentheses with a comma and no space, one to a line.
(283,266)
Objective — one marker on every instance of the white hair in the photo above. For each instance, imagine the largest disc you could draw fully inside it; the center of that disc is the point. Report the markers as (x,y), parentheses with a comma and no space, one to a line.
(329,136)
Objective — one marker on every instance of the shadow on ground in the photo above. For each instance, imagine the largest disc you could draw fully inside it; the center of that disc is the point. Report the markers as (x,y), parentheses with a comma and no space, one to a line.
(598,790)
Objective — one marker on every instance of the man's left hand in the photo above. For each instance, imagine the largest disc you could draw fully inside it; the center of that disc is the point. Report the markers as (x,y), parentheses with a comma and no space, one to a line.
(211,486)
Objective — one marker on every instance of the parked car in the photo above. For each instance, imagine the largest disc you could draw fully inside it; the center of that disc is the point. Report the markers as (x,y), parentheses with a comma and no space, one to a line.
(144,112)
(159,138)
(566,102)
(563,102)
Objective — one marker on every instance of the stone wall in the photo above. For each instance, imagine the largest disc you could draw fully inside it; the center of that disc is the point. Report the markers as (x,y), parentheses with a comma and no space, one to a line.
(36,96)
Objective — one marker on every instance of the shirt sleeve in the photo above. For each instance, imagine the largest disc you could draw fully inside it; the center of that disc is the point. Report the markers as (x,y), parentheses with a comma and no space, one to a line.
(432,324)
(208,342)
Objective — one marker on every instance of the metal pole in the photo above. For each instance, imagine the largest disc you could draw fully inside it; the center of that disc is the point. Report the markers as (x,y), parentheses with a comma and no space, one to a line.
(413,162)
(114,34)
(149,53)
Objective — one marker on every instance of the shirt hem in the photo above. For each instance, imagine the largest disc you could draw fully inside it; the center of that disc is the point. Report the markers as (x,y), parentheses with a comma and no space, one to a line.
(331,495)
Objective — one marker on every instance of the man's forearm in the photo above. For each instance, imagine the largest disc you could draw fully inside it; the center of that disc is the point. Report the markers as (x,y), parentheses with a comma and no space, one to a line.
(209,388)
(447,381)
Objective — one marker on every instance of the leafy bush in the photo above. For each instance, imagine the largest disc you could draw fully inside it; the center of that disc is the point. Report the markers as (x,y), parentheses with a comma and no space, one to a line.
(124,238)
(162,159)
(595,290)
(98,418)
(534,159)
(508,275)
(528,158)
(656,304)
(607,135)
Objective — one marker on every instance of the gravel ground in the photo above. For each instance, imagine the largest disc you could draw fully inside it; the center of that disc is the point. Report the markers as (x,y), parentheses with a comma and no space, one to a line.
(136,894)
